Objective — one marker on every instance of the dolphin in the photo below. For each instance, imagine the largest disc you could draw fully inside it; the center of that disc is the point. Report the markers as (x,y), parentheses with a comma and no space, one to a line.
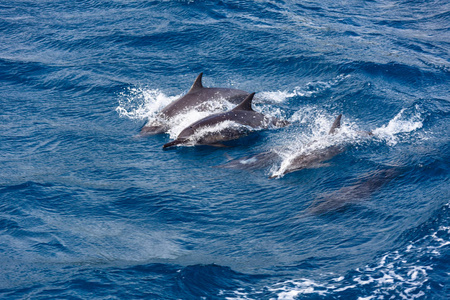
(197,97)
(315,157)
(264,159)
(258,161)
(226,126)
(361,190)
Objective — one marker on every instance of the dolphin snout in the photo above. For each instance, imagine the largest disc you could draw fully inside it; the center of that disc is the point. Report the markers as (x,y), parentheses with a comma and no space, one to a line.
(174,143)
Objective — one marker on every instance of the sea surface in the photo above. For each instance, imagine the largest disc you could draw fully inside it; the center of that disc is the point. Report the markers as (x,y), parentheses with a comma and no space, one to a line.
(89,209)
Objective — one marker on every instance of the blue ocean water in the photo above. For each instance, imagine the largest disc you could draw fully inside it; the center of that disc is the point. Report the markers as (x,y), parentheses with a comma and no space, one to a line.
(91,210)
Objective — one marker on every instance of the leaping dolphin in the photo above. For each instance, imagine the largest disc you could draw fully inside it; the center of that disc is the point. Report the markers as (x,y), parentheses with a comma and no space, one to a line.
(226,126)
(194,98)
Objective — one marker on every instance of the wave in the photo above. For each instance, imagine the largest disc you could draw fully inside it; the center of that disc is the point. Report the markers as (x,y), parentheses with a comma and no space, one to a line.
(310,89)
(411,272)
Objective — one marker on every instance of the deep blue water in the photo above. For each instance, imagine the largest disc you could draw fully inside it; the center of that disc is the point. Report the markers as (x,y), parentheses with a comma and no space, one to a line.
(90,210)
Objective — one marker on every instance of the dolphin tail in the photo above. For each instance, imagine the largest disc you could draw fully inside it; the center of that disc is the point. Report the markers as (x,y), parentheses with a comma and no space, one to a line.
(173,143)
(336,125)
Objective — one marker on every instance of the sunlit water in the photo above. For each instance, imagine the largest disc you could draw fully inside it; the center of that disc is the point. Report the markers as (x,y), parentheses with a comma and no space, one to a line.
(91,210)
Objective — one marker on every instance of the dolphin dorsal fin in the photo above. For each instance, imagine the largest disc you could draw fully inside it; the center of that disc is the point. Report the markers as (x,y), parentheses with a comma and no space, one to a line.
(197,83)
(336,125)
(246,104)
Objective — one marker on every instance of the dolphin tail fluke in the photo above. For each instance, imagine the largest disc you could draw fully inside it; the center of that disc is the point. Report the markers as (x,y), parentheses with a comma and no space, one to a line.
(197,83)
(336,125)
(173,143)
(246,104)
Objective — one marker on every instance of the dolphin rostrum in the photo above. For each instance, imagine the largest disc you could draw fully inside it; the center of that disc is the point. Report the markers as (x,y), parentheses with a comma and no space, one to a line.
(315,157)
(226,126)
(196,98)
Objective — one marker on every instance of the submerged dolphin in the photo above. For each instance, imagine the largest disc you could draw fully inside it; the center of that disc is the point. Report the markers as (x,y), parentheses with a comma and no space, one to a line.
(254,162)
(226,126)
(197,97)
(361,190)
(315,157)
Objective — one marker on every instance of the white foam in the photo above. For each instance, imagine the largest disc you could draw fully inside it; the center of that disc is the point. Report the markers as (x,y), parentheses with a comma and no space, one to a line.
(406,121)
(317,124)
(402,274)
(215,129)
(181,121)
(316,136)
(309,90)
(248,161)
(141,103)
(292,288)
(278,96)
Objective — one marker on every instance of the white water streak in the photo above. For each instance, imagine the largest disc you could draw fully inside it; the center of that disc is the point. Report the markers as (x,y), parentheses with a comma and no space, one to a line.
(404,122)
(141,103)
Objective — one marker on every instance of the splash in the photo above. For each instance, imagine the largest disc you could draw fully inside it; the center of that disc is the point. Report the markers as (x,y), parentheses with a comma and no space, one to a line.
(141,103)
(144,104)
(309,90)
(316,124)
(226,130)
(315,137)
(406,121)
(180,122)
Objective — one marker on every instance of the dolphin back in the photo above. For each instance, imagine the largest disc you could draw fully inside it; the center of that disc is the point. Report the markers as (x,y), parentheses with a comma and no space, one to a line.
(336,125)
(246,104)
(197,83)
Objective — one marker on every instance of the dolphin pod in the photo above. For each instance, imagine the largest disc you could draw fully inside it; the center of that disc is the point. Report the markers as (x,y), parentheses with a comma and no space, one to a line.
(217,128)
(196,98)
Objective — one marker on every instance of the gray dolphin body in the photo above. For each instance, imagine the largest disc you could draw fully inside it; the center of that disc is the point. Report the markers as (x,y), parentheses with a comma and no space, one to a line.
(242,119)
(254,162)
(312,159)
(302,161)
(315,157)
(361,190)
(195,98)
